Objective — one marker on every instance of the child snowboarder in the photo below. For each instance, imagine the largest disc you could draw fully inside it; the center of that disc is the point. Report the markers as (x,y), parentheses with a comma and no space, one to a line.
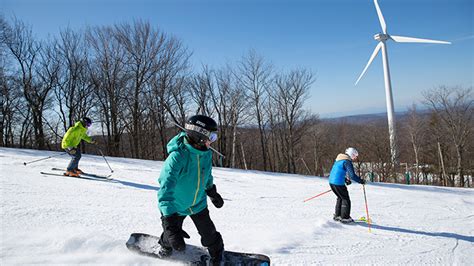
(71,141)
(337,181)
(185,180)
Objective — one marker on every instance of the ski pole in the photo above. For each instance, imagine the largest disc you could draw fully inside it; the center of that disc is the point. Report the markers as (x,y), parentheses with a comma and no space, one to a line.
(308,199)
(105,160)
(49,157)
(366,208)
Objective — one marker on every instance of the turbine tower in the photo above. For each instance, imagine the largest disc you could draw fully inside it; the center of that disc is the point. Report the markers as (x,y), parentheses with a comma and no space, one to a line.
(382,38)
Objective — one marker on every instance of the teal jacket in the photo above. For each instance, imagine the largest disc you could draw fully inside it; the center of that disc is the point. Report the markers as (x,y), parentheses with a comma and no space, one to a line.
(184,178)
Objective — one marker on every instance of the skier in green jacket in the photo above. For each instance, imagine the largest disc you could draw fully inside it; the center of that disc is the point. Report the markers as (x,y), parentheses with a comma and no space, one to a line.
(185,181)
(71,141)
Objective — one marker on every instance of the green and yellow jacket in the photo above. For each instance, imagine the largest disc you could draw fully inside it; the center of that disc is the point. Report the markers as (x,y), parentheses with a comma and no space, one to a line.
(184,178)
(74,135)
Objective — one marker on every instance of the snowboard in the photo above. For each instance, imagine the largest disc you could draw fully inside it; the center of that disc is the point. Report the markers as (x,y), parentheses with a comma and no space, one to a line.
(147,245)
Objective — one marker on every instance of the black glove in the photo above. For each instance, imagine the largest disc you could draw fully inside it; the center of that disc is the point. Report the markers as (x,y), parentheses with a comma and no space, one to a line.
(215,197)
(362,181)
(348,181)
(71,151)
(173,232)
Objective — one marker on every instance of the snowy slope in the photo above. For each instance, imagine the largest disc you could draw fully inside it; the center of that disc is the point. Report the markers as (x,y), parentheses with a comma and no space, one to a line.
(54,219)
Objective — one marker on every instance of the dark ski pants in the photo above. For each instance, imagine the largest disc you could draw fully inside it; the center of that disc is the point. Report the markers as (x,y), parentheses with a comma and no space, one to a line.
(74,163)
(343,203)
(210,238)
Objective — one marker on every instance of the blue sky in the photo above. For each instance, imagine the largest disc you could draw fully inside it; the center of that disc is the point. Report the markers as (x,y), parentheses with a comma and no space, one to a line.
(333,38)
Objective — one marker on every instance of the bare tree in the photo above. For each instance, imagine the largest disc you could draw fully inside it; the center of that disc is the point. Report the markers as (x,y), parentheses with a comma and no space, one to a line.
(219,98)
(454,106)
(255,78)
(10,101)
(142,44)
(26,51)
(74,93)
(229,103)
(107,74)
(173,62)
(180,102)
(374,147)
(47,72)
(275,120)
(320,147)
(437,152)
(291,95)
(416,128)
(201,87)
(5,124)
(15,110)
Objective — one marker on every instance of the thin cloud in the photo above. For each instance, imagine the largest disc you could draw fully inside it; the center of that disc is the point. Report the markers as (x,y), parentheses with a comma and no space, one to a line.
(463,38)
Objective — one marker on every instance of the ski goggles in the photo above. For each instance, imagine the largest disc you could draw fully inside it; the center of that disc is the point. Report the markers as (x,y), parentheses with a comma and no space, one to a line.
(211,135)
(88,124)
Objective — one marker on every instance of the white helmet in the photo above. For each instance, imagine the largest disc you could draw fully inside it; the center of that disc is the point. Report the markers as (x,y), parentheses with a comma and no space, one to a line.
(352,152)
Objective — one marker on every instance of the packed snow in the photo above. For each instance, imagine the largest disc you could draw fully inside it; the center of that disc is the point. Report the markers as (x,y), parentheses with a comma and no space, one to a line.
(57,219)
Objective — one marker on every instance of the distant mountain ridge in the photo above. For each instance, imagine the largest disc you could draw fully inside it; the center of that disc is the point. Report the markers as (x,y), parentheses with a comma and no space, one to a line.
(366,118)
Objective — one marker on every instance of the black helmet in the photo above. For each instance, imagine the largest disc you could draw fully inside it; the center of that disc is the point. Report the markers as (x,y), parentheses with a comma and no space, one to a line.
(200,127)
(86,121)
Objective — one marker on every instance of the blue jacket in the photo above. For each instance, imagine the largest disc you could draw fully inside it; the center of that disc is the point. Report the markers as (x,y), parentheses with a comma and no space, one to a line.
(340,169)
(184,178)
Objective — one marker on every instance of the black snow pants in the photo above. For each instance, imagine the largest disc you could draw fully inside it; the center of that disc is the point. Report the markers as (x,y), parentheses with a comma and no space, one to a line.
(343,203)
(210,238)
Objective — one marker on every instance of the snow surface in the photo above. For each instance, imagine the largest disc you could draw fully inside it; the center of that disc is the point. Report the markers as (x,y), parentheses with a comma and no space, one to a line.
(55,219)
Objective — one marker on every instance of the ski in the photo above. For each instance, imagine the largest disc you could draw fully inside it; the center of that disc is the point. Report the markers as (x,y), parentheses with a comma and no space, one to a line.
(359,220)
(85,174)
(79,177)
(109,177)
(363,219)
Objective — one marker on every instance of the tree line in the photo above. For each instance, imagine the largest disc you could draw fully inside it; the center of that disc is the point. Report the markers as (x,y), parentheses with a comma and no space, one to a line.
(136,82)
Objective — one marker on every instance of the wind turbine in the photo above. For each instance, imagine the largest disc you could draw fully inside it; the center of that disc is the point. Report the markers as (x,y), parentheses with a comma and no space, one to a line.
(382,38)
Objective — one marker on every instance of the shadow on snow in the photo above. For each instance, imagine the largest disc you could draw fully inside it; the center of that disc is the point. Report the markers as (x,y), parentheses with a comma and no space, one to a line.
(409,231)
(136,185)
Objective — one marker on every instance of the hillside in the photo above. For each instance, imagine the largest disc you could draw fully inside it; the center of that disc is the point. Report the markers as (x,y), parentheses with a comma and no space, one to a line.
(55,219)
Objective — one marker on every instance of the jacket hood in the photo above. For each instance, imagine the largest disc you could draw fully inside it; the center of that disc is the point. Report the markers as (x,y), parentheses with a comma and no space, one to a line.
(342,156)
(175,142)
(78,124)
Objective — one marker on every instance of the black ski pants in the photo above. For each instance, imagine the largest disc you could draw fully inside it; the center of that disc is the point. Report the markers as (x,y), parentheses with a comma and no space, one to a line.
(210,238)
(343,203)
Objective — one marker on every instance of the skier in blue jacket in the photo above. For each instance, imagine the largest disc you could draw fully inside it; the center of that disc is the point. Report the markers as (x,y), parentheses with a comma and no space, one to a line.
(185,183)
(338,180)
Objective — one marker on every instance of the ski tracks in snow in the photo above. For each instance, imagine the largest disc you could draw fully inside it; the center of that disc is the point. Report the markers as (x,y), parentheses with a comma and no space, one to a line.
(64,220)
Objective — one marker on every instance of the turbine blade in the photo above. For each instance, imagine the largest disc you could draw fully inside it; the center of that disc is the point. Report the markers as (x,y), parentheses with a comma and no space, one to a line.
(381,19)
(376,50)
(411,39)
